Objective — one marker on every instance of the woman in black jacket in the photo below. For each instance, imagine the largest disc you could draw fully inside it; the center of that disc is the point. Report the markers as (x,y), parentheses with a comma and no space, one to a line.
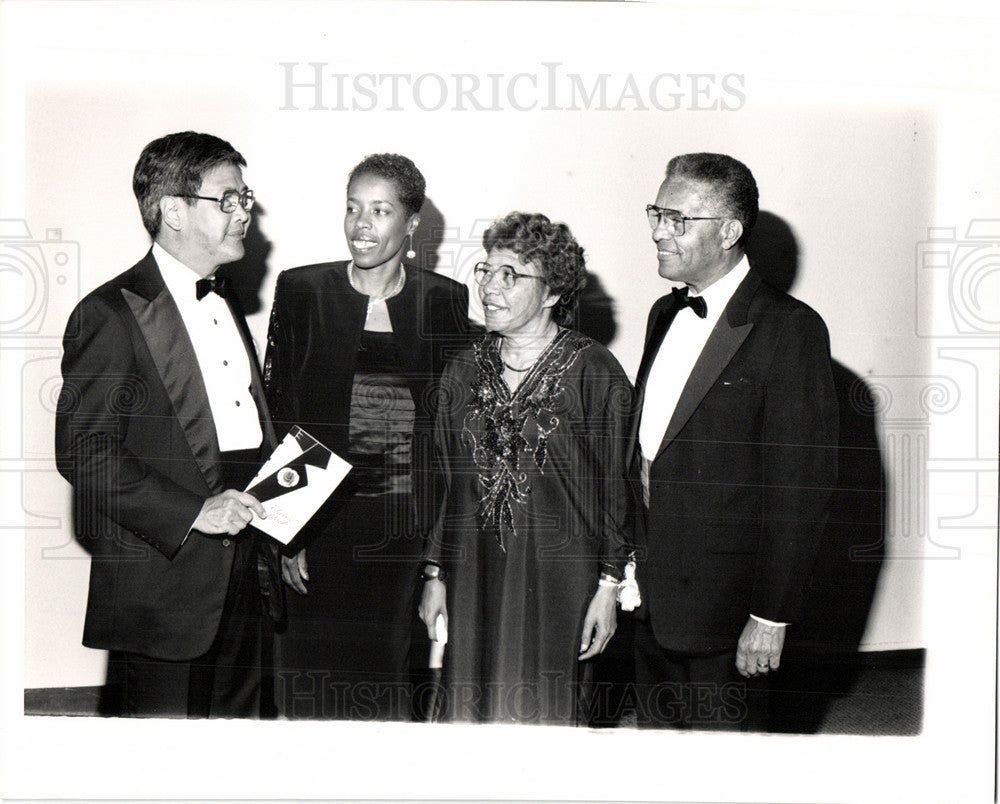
(354,351)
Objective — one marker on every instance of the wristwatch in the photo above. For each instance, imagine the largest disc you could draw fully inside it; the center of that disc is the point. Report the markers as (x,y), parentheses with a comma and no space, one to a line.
(432,572)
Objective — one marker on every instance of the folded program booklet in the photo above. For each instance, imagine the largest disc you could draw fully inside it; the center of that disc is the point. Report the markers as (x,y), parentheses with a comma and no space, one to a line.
(294,482)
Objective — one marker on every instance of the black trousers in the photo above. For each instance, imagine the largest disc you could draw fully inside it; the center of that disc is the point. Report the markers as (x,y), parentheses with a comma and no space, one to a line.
(225,682)
(695,691)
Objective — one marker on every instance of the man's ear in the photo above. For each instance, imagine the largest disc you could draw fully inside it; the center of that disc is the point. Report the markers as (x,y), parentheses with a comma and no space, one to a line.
(171,213)
(732,231)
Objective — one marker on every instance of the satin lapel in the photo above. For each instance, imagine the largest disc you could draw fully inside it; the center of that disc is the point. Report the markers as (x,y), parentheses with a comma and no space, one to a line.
(664,319)
(654,339)
(731,330)
(173,354)
(256,382)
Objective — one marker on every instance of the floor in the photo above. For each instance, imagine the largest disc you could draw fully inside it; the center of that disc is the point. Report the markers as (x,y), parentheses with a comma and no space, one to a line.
(875,694)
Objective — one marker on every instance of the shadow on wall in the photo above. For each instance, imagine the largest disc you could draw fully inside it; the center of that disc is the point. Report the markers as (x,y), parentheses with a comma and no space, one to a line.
(817,664)
(247,275)
(595,312)
(429,239)
(773,251)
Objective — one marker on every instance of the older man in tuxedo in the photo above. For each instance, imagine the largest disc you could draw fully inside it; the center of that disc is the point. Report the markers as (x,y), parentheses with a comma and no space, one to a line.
(161,421)
(735,452)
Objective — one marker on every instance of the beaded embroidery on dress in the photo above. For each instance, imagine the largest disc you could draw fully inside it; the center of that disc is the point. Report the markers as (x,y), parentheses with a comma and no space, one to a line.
(514,424)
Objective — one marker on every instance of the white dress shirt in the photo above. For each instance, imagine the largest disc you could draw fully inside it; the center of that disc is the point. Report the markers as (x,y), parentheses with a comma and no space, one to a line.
(679,351)
(222,357)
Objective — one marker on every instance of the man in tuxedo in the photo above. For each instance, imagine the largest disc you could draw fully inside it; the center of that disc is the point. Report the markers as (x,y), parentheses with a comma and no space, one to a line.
(161,421)
(735,453)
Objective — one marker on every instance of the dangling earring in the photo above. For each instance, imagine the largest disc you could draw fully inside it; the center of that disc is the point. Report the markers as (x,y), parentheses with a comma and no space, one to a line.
(410,253)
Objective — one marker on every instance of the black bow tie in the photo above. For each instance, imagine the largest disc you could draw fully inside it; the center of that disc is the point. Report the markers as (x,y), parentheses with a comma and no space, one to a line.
(696,303)
(203,287)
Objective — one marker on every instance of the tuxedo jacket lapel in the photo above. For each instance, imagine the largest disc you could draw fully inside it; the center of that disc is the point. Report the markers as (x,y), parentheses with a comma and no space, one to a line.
(654,339)
(660,319)
(727,337)
(173,354)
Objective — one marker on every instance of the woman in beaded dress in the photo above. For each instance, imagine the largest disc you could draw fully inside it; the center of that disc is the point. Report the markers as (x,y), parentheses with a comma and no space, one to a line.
(530,543)
(354,350)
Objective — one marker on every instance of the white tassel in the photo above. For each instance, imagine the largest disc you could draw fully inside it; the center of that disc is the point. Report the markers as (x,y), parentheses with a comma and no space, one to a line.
(628,590)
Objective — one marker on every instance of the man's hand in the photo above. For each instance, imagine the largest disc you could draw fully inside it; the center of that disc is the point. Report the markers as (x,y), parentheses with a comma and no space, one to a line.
(295,571)
(759,648)
(432,603)
(600,622)
(228,512)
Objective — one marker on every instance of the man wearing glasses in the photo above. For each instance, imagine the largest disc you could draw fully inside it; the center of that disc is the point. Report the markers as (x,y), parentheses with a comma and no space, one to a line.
(160,424)
(735,453)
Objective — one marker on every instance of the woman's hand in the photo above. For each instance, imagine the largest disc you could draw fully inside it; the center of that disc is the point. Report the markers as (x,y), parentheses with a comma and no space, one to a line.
(433,603)
(295,571)
(600,623)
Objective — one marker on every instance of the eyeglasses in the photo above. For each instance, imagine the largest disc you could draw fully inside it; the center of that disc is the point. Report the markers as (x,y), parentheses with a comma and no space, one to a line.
(671,218)
(506,276)
(230,200)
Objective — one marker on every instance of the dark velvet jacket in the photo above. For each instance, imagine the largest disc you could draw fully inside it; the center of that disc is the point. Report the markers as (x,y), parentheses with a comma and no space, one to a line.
(312,345)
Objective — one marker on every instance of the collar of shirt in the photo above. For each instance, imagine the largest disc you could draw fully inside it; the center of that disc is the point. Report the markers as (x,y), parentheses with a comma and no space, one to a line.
(179,279)
(718,294)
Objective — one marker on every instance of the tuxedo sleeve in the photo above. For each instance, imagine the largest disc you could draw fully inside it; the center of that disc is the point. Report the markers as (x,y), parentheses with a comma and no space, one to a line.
(106,394)
(799,471)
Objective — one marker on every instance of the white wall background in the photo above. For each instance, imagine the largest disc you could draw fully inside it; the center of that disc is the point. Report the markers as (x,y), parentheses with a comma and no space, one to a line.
(863,129)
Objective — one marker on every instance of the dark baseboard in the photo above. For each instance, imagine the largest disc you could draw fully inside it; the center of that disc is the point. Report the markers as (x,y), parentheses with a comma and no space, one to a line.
(74,701)
(910,659)
(913,659)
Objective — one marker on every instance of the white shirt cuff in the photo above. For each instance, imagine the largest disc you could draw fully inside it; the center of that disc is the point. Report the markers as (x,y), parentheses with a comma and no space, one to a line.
(767,622)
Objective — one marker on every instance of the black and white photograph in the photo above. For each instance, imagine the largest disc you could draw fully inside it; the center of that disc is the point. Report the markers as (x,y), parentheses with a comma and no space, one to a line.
(502,400)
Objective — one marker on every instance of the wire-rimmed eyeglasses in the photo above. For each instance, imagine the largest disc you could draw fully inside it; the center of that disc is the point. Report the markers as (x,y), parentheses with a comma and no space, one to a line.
(230,200)
(505,274)
(672,219)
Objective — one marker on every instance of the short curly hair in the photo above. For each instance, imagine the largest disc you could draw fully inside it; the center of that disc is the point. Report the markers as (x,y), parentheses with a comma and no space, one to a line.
(551,247)
(401,171)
